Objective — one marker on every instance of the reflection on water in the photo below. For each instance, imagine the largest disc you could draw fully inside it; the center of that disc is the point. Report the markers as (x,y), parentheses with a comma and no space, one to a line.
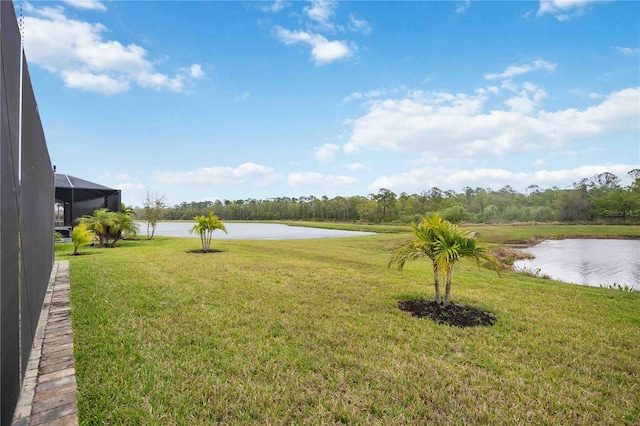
(252,231)
(590,262)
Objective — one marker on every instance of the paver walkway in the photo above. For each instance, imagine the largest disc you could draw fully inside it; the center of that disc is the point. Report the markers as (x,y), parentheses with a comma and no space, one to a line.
(48,395)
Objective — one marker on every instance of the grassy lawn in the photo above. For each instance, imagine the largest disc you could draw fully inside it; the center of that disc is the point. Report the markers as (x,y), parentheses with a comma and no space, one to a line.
(308,331)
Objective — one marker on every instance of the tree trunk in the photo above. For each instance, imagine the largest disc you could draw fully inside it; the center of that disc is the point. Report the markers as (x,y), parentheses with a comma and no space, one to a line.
(116,237)
(208,237)
(436,282)
(447,290)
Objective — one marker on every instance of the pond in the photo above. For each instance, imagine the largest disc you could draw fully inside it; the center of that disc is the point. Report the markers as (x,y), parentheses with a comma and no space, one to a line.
(252,231)
(587,261)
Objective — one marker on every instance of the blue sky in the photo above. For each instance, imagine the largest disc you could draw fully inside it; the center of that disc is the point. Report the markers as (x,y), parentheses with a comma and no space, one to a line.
(258,99)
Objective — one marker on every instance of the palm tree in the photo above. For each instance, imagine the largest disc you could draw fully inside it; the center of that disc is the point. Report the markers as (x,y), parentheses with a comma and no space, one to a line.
(422,244)
(128,210)
(81,235)
(101,222)
(124,224)
(205,225)
(453,244)
(445,244)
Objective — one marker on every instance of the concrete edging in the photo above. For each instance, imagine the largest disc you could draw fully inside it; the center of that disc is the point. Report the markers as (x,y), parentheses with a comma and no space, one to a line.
(48,395)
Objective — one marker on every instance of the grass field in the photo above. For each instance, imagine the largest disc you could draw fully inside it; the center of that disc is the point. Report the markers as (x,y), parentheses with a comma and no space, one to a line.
(308,332)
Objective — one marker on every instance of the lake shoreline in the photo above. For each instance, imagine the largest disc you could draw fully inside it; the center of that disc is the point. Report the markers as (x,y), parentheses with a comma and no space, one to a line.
(537,239)
(584,261)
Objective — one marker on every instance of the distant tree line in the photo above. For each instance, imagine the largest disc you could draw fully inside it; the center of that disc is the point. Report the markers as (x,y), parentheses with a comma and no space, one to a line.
(600,198)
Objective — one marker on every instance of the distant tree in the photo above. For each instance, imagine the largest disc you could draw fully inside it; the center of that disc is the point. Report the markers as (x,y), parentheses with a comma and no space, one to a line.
(153,207)
(386,198)
(455,214)
(605,180)
(532,190)
(635,185)
(490,212)
(205,226)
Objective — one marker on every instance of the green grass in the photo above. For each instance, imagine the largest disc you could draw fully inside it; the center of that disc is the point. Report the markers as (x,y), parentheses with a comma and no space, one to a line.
(499,234)
(308,332)
(524,233)
(345,226)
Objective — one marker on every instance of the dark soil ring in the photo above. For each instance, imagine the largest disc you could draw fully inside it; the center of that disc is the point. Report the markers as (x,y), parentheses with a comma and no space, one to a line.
(199,251)
(454,314)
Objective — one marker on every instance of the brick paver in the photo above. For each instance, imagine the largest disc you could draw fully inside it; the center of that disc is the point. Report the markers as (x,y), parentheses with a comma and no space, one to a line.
(48,395)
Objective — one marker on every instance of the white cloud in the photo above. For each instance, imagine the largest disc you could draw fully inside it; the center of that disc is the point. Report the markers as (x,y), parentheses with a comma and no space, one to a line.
(113,176)
(130,186)
(428,123)
(322,12)
(275,7)
(323,51)
(86,4)
(627,51)
(369,95)
(527,99)
(99,83)
(320,19)
(359,25)
(352,97)
(517,70)
(243,97)
(356,166)
(326,152)
(564,10)
(218,176)
(76,51)
(463,6)
(318,180)
(195,71)
(446,178)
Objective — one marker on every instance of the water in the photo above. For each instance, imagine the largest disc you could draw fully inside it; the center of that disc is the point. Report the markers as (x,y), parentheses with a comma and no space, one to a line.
(588,262)
(251,231)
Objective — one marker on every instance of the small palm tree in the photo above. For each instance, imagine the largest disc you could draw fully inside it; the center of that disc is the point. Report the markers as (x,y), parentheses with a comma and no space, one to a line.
(205,226)
(81,235)
(423,244)
(123,224)
(128,210)
(453,244)
(101,222)
(445,244)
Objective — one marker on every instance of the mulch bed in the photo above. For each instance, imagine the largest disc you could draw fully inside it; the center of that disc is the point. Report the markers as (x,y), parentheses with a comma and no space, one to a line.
(454,314)
(199,251)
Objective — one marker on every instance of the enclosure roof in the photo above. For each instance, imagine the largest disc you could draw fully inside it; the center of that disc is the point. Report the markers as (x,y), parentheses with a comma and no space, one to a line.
(70,188)
(67,181)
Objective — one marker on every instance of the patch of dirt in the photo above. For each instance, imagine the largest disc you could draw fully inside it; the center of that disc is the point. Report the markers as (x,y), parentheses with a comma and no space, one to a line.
(80,253)
(454,314)
(507,256)
(199,251)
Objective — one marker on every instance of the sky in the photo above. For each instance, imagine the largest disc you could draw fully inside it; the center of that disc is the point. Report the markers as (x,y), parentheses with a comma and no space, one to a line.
(230,100)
